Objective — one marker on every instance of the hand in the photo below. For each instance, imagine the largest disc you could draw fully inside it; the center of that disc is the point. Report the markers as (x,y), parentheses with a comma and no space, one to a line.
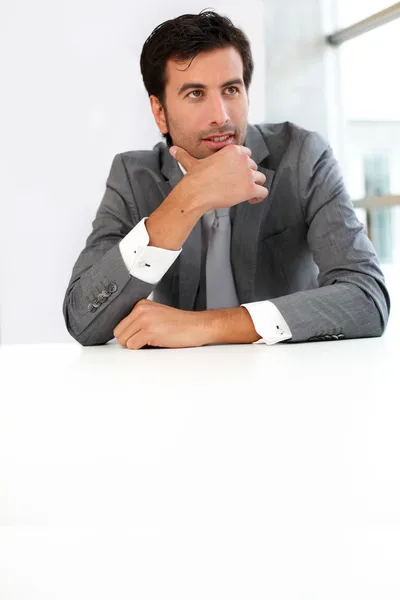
(154,324)
(223,179)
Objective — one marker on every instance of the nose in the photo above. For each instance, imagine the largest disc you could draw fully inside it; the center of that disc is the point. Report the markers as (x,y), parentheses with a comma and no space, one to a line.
(218,114)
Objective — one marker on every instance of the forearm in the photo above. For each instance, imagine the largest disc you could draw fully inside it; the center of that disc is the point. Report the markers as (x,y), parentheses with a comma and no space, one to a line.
(342,308)
(171,223)
(228,326)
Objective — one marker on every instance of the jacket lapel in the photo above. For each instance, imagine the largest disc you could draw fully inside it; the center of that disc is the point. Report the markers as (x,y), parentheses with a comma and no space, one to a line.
(246,221)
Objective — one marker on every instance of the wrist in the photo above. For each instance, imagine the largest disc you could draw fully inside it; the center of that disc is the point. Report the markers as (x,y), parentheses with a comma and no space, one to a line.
(228,326)
(169,225)
(194,196)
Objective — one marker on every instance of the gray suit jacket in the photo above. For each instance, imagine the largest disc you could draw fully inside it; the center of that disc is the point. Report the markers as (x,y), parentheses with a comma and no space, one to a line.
(303,247)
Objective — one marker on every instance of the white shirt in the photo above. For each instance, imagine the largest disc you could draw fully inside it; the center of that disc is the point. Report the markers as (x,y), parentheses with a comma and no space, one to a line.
(150,263)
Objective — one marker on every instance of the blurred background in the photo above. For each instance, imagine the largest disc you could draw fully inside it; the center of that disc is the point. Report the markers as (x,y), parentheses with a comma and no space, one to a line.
(73,98)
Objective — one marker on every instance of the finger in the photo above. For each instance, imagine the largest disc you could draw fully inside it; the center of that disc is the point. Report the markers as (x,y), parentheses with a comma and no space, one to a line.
(187,160)
(252,164)
(255,200)
(259,177)
(132,316)
(260,192)
(137,341)
(245,150)
(128,333)
(122,325)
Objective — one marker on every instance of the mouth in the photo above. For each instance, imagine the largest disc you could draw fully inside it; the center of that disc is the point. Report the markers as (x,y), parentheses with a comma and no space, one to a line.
(219,141)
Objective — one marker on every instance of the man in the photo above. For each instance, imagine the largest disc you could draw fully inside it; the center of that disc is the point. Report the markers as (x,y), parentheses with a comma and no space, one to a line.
(241,233)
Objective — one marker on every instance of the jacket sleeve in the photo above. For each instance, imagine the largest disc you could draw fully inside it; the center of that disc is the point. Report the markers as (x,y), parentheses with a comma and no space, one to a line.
(101,291)
(352,300)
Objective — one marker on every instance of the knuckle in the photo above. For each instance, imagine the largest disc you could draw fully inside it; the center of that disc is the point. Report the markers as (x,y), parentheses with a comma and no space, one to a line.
(144,325)
(140,306)
(144,321)
(141,302)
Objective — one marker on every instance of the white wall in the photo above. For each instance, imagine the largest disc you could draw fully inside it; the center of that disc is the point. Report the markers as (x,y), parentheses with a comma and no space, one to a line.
(72,98)
(302,75)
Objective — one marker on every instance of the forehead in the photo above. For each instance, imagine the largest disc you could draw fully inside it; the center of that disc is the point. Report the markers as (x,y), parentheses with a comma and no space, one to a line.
(209,68)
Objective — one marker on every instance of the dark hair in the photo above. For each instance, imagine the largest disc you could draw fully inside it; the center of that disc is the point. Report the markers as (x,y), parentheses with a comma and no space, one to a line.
(183,38)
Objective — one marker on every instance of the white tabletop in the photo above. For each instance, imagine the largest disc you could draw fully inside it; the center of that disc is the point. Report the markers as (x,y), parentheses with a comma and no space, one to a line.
(242,471)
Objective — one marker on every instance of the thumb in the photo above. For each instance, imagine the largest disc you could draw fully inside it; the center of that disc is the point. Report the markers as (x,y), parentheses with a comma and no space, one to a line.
(187,160)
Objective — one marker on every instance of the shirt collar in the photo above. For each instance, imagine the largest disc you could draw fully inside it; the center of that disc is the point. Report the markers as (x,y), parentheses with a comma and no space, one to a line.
(182,168)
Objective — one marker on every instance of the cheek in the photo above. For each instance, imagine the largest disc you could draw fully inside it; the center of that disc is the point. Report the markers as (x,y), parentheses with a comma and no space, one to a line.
(189,125)
(242,106)
(180,124)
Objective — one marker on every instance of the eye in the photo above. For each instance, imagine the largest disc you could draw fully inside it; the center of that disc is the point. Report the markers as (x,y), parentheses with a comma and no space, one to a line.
(233,88)
(193,92)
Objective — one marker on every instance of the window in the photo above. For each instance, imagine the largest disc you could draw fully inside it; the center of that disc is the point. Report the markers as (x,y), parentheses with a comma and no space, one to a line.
(380,226)
(352,11)
(370,90)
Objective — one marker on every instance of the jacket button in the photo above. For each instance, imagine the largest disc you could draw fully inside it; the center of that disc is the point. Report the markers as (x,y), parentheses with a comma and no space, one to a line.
(327,338)
(96,303)
(112,288)
(313,339)
(91,307)
(105,293)
(102,298)
(334,337)
(341,336)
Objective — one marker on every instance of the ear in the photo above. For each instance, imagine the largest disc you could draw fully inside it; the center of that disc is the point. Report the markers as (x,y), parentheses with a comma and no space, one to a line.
(159,114)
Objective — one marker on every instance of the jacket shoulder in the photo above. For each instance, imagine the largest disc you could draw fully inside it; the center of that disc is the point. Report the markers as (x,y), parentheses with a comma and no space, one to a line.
(287,136)
(287,133)
(139,159)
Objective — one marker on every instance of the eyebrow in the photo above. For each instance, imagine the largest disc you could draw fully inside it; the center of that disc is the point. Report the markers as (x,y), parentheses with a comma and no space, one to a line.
(190,85)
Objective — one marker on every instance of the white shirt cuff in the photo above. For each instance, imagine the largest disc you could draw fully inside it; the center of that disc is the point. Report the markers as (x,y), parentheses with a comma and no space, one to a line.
(268,322)
(148,263)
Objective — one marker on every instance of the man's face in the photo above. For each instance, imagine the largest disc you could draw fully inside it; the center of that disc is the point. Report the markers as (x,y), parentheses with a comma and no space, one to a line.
(206,99)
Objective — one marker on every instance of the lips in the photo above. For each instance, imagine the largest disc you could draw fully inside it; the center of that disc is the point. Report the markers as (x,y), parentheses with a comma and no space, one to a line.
(213,144)
(215,138)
